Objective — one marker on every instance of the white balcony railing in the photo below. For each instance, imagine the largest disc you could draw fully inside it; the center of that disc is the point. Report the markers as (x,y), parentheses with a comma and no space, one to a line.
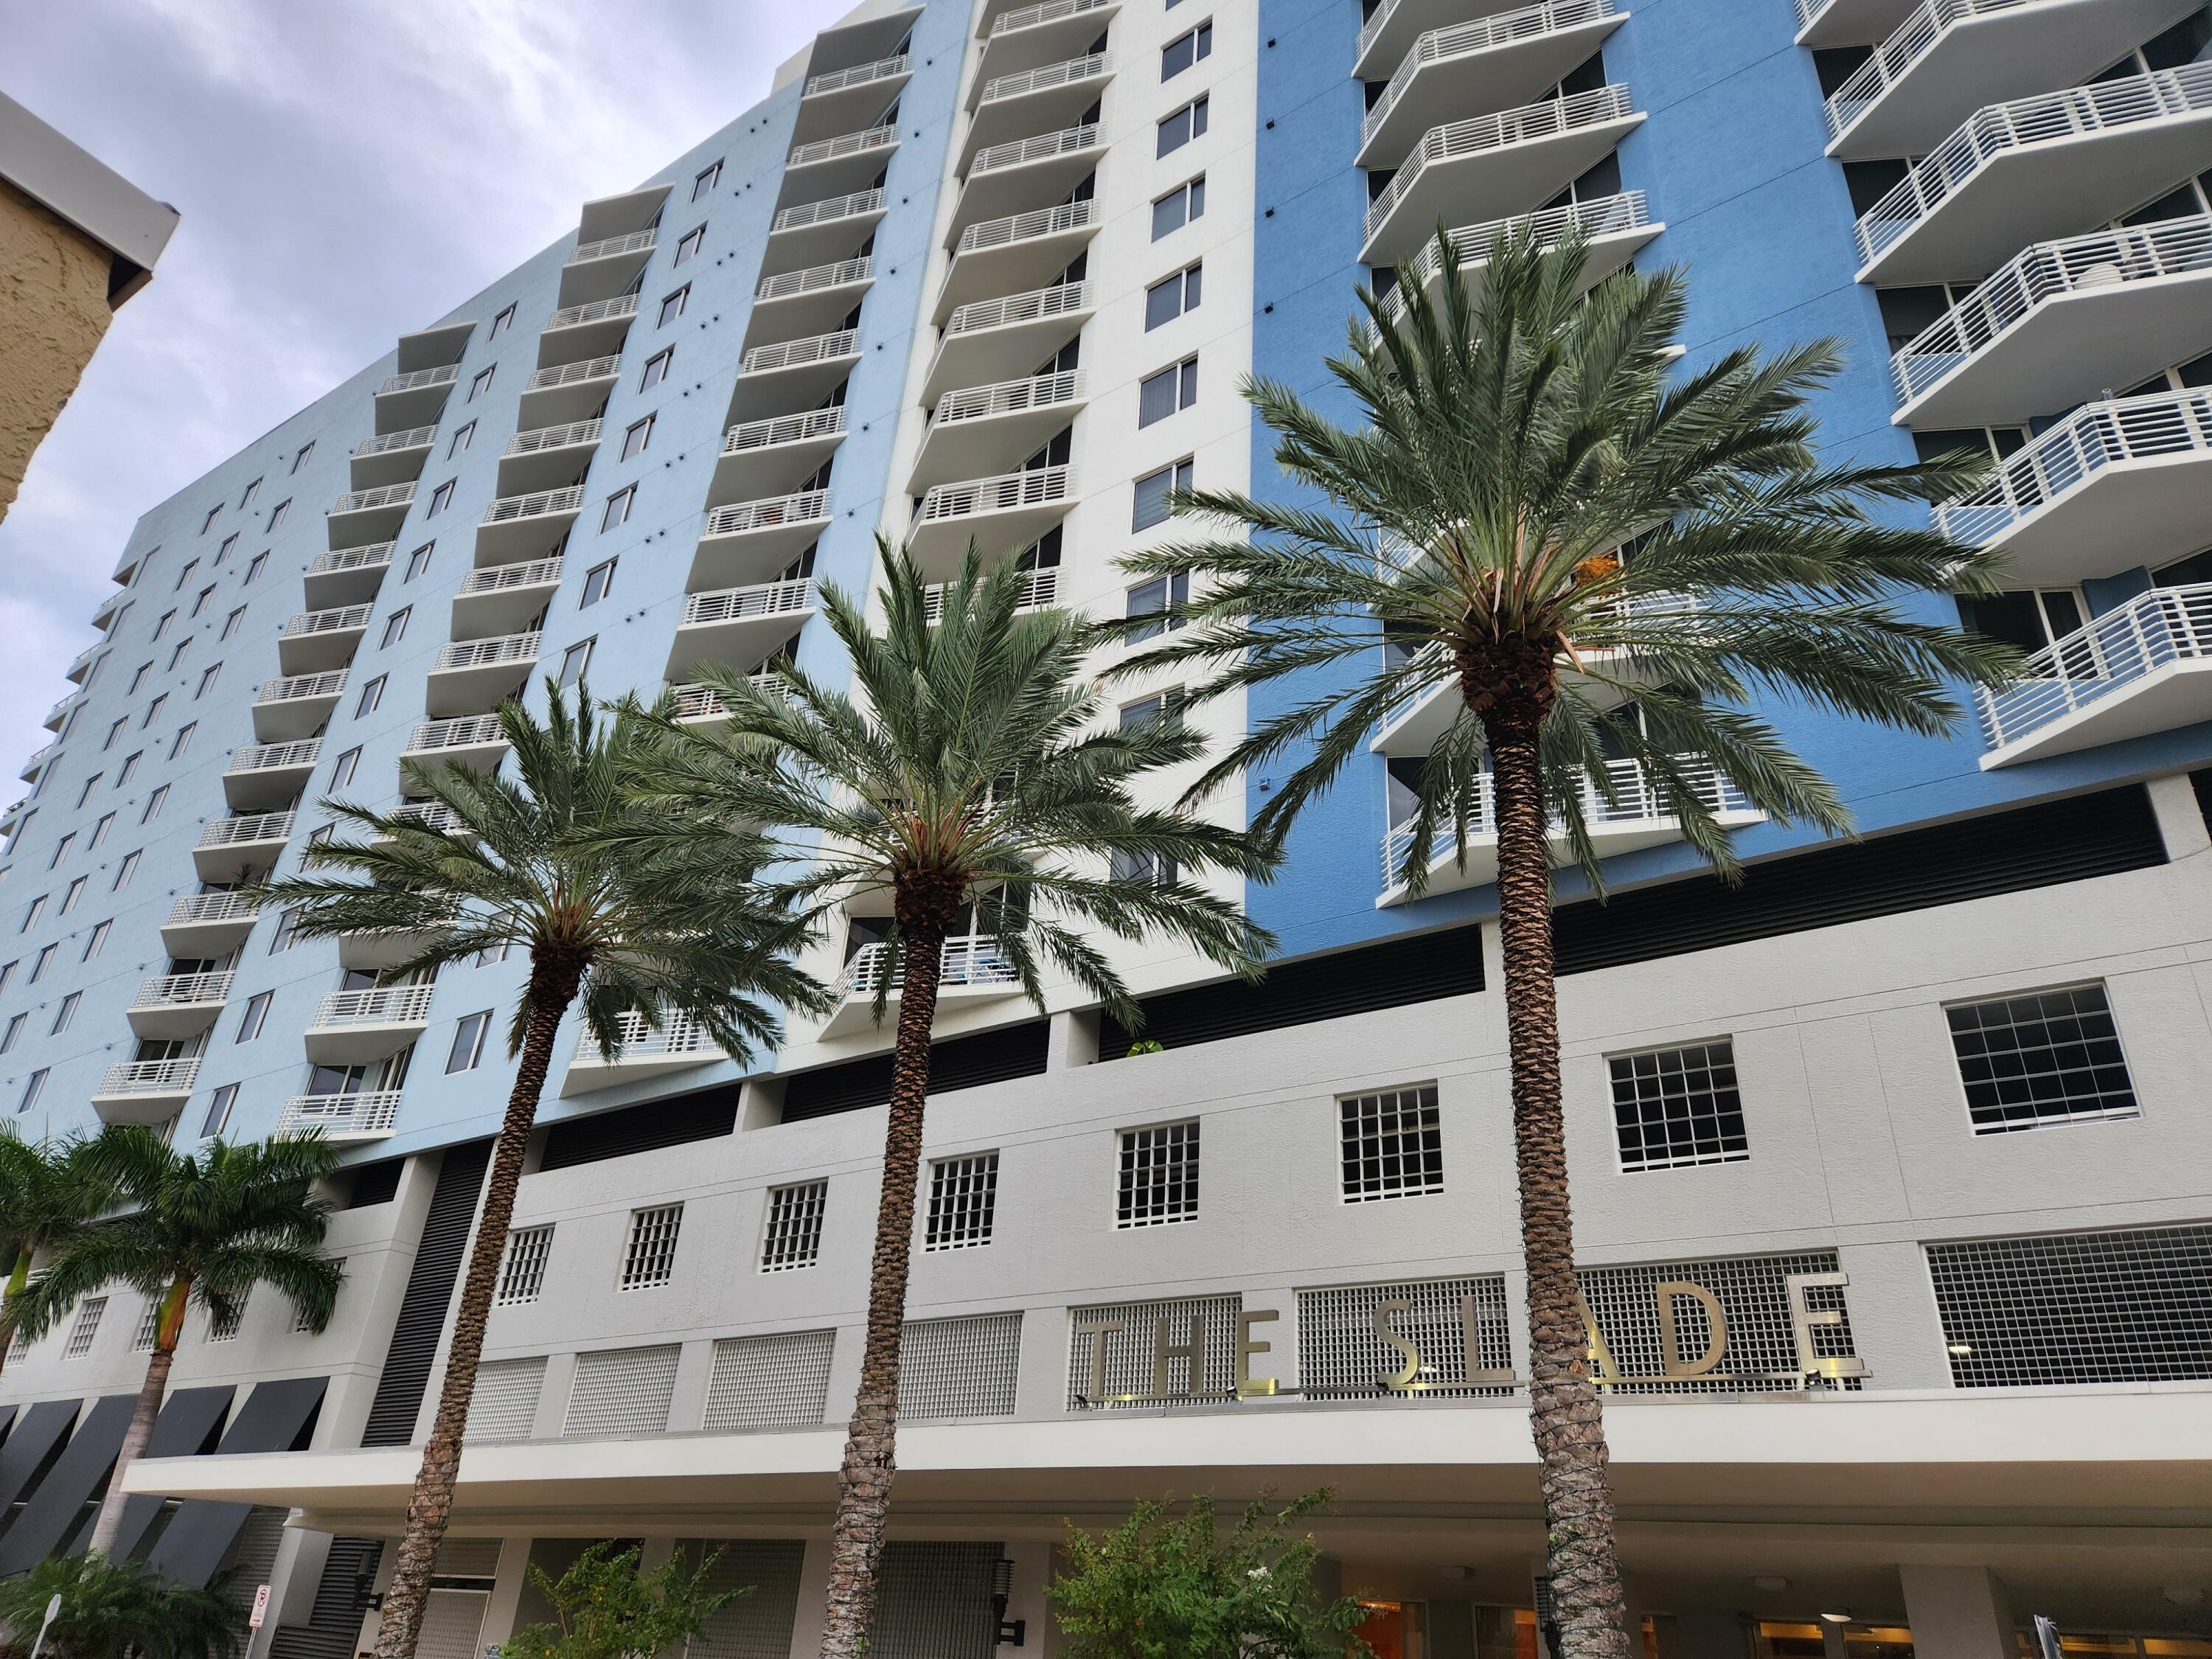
(698,702)
(592,369)
(637,242)
(1034,306)
(967,959)
(1030,227)
(1602,216)
(750,435)
(2101,659)
(828,210)
(679,1034)
(883,69)
(467,731)
(1499,29)
(181,990)
(2079,264)
(791,283)
(2156,426)
(375,1113)
(214,907)
(1373,26)
(2022,123)
(1044,78)
(1907,44)
(1039,592)
(1457,140)
(299,687)
(414,438)
(978,402)
(1050,11)
(340,620)
(1034,487)
(1069,141)
(276,756)
(151,1077)
(488,653)
(849,143)
(248,827)
(538,504)
(361,501)
(351,558)
(428,815)
(416,380)
(594,311)
(730,605)
(385,1005)
(794,354)
(499,578)
(568,436)
(740,517)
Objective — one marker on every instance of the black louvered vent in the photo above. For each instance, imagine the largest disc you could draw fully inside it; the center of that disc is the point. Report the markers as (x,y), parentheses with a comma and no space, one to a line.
(708,1115)
(964,1062)
(374,1183)
(333,1627)
(429,1291)
(2201,781)
(2041,846)
(1358,982)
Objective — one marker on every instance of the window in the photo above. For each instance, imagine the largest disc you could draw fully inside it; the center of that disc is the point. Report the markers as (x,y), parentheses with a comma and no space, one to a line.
(87,1326)
(218,1111)
(1179,128)
(208,677)
(223,552)
(461,440)
(15,1030)
(419,561)
(306,450)
(1673,1107)
(963,1200)
(1158,1177)
(38,907)
(75,892)
(138,679)
(278,513)
(183,740)
(300,1324)
(656,369)
(1155,599)
(149,1324)
(672,306)
(639,436)
(154,803)
(492,953)
(792,1237)
(34,1086)
(1144,869)
(213,514)
(153,711)
(255,1017)
(649,1258)
(288,924)
(1162,394)
(1391,1145)
(252,490)
(41,962)
(114,732)
(99,831)
(66,1014)
(1165,301)
(1180,53)
(200,599)
(616,512)
(61,849)
(2046,1057)
(177,656)
(319,834)
(252,570)
(96,939)
(161,627)
(125,870)
(481,384)
(441,499)
(130,768)
(230,624)
(395,628)
(692,240)
(597,582)
(574,662)
(522,1273)
(7,973)
(1152,492)
(468,1042)
(371,698)
(348,764)
(223,1326)
(1179,207)
(501,323)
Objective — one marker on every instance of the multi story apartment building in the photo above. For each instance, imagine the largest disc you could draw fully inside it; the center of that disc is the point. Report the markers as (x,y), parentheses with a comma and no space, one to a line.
(1890,1164)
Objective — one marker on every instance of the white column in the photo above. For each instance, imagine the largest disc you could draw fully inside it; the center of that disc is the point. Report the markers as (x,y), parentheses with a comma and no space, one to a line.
(2180,819)
(1958,1612)
(813,1587)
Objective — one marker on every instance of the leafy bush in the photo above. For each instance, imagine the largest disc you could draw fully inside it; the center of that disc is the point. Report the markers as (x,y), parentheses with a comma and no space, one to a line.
(604,1608)
(116,1608)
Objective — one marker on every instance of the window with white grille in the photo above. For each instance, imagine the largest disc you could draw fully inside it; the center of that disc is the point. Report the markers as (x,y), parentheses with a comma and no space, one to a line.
(86,1327)
(774,1381)
(2130,1305)
(222,1329)
(1457,1325)
(960,1367)
(621,1391)
(963,1201)
(1131,1353)
(792,1237)
(19,1347)
(1759,1345)
(764,1575)
(505,1404)
(1393,1144)
(149,1327)
(2047,1057)
(1158,1176)
(301,1326)
(1673,1107)
(522,1274)
(649,1258)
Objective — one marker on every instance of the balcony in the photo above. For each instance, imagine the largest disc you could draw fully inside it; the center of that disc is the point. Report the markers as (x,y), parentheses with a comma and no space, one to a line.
(984,429)
(57,716)
(1613,227)
(1476,68)
(1636,819)
(749,541)
(846,99)
(810,301)
(839,166)
(405,402)
(603,269)
(681,1044)
(315,640)
(147,1092)
(342,1120)
(619,216)
(2144,667)
(1002,256)
(567,392)
(738,626)
(352,1028)
(703,706)
(81,665)
(999,515)
(1023,175)
(369,515)
(427,815)
(395,457)
(267,775)
(596,328)
(380,948)
(793,376)
(172,1006)
(1029,37)
(1949,58)
(347,576)
(476,741)
(518,526)
(475,676)
(204,926)
(1848,22)
(990,340)
(547,457)
(286,710)
(775,456)
(805,236)
(2116,484)
(502,598)
(1040,592)
(38,759)
(1391,29)
(230,850)
(2036,168)
(1046,98)
(2059,324)
(975,969)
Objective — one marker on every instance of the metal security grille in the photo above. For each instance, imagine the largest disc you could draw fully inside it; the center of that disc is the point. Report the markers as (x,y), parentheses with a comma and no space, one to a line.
(1758,1353)
(2050,1056)
(1159,1176)
(1674,1107)
(621,1391)
(649,1259)
(505,1405)
(250,1561)
(933,1602)
(2126,1306)
(1392,1145)
(1133,1330)
(774,1381)
(466,1558)
(221,1328)
(792,1237)
(963,1201)
(87,1326)
(758,1623)
(522,1275)
(452,1621)
(1340,1355)
(960,1367)
(149,1323)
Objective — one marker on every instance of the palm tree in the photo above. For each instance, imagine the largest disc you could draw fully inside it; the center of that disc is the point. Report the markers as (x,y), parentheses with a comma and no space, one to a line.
(1607,567)
(529,863)
(48,1192)
(197,1228)
(968,776)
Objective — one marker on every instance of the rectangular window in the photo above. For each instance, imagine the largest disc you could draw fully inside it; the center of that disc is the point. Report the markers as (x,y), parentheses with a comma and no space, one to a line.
(574,662)
(66,1014)
(500,325)
(1156,598)
(40,963)
(252,490)
(278,513)
(616,512)
(343,773)
(1166,300)
(34,1086)
(255,1017)
(183,740)
(149,1323)
(1161,395)
(692,240)
(15,1030)
(1161,707)
(86,1327)
(1391,1145)
(1180,53)
(468,1042)
(2046,1057)
(223,1326)
(371,698)
(672,306)
(213,514)
(223,552)
(1673,1107)
(461,440)
(153,711)
(522,1273)
(230,624)
(138,679)
(597,582)
(200,599)
(37,909)
(253,569)
(96,941)
(481,384)
(99,831)
(114,732)
(74,891)
(177,656)
(1179,207)
(656,369)
(649,1258)
(1179,128)
(395,628)
(218,1111)
(161,626)
(154,803)
(61,849)
(282,939)
(6,975)
(125,870)
(963,1201)
(639,436)
(208,677)
(441,499)
(792,1237)
(419,561)
(1158,1176)
(705,180)
(1152,492)
(306,450)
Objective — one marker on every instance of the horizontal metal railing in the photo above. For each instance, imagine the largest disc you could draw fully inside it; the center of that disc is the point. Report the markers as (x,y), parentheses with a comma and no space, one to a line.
(363,558)
(1033,306)
(679,1034)
(275,756)
(337,620)
(416,379)
(486,654)
(181,990)
(374,1112)
(214,907)
(1374,27)
(849,143)
(1905,45)
(1034,487)
(151,1077)
(1043,147)
(794,354)
(1048,11)
(883,69)
(977,403)
(62,706)
(245,828)
(2157,426)
(967,959)
(740,517)
(1040,591)
(635,241)
(594,311)
(1602,216)
(1031,225)
(361,501)
(741,604)
(592,369)
(790,283)
(698,702)
(531,573)
(383,1005)
(827,210)
(295,688)
(567,436)
(413,437)
(466,731)
(1458,139)
(427,815)
(1046,76)
(1499,29)
(2099,660)
(538,504)
(748,435)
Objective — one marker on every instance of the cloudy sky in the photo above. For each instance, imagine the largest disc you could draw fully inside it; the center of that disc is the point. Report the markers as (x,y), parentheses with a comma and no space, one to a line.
(346,168)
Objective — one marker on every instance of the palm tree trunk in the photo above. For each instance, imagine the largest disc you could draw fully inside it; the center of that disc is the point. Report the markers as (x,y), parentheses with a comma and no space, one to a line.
(1563,1408)
(141,1431)
(17,1278)
(553,988)
(864,1482)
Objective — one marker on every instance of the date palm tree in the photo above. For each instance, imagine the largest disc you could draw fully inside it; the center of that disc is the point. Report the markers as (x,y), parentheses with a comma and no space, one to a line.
(196,1229)
(48,1192)
(1607,567)
(492,863)
(972,772)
